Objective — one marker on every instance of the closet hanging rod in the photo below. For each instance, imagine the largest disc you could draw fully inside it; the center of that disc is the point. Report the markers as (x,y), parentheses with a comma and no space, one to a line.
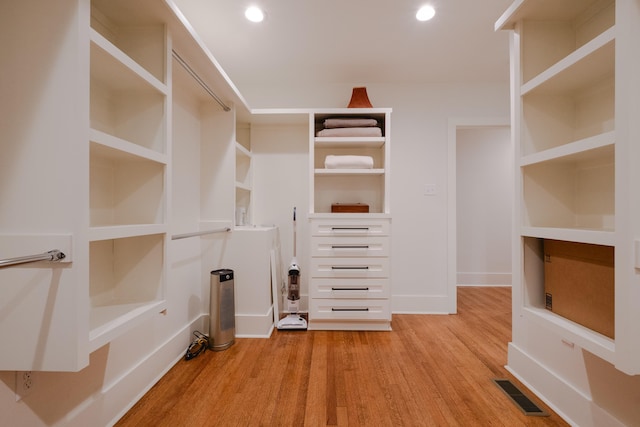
(199,80)
(199,233)
(52,255)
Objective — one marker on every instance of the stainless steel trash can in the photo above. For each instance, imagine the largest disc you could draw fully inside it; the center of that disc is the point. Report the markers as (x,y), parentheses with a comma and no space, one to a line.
(222,316)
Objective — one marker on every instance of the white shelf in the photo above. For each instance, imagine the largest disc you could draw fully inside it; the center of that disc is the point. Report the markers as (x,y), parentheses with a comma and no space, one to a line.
(133,30)
(592,62)
(126,282)
(351,112)
(573,98)
(126,101)
(243,168)
(109,146)
(107,62)
(109,321)
(241,150)
(554,119)
(350,216)
(575,191)
(351,142)
(243,173)
(338,172)
(573,333)
(242,186)
(124,231)
(540,10)
(125,189)
(584,235)
(582,150)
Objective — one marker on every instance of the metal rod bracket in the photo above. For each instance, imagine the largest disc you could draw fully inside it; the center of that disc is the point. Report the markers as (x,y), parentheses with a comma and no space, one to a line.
(52,255)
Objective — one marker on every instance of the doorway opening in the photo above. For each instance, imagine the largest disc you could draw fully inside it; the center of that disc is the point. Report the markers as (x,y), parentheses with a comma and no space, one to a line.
(480,200)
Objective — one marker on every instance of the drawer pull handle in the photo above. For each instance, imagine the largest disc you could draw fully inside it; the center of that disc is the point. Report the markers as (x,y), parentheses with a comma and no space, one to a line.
(350,228)
(339,267)
(349,246)
(349,289)
(350,309)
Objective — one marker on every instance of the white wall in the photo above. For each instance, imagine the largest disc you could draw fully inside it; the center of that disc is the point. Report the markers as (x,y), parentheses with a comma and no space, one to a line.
(419,134)
(484,183)
(281,182)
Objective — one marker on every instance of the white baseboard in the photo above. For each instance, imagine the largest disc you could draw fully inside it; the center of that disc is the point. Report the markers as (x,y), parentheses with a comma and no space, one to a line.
(146,373)
(254,325)
(573,406)
(420,304)
(483,279)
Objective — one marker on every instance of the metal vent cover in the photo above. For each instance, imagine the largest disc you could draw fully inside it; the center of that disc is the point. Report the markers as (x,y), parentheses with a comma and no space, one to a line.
(526,405)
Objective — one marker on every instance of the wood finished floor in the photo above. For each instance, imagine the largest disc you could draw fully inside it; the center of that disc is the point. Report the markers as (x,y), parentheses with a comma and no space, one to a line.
(431,370)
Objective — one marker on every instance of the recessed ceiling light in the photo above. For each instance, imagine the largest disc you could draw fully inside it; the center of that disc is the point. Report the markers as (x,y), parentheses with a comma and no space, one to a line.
(254,14)
(425,13)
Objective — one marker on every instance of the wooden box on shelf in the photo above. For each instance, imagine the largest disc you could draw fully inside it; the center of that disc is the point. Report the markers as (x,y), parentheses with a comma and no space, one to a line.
(579,283)
(349,208)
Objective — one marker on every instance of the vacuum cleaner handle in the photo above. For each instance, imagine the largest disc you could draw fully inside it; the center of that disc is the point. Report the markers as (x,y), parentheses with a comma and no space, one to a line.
(294,233)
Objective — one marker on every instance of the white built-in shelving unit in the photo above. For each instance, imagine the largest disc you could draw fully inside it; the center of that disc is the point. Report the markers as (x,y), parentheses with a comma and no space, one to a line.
(367,186)
(574,76)
(349,265)
(128,171)
(244,176)
(133,147)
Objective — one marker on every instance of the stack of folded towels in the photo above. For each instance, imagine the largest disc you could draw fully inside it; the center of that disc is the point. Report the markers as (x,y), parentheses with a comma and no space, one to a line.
(350,127)
(348,162)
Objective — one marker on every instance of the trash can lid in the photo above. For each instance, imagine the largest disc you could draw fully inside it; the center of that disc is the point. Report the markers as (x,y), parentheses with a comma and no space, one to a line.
(224,273)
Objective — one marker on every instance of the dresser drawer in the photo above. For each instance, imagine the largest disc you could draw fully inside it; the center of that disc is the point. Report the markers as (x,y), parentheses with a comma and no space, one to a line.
(349,309)
(349,267)
(349,288)
(349,246)
(350,227)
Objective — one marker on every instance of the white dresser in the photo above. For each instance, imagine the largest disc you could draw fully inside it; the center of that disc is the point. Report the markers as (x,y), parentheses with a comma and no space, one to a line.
(349,280)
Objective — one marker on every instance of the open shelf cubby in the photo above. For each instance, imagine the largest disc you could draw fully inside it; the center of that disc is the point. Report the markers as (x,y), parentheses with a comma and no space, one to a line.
(138,35)
(126,283)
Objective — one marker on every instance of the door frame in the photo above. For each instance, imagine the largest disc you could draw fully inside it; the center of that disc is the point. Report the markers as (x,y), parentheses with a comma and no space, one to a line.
(453,125)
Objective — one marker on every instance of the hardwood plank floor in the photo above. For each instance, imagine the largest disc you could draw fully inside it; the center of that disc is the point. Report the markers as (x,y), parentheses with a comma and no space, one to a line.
(431,370)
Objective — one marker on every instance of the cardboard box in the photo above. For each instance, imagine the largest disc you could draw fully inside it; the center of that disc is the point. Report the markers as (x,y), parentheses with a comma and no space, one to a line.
(579,283)
(349,208)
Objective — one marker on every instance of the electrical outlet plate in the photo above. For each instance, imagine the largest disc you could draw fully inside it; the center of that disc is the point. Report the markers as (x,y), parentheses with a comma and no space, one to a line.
(24,384)
(429,189)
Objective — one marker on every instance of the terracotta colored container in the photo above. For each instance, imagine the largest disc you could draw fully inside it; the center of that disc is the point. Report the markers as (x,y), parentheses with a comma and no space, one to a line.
(359,98)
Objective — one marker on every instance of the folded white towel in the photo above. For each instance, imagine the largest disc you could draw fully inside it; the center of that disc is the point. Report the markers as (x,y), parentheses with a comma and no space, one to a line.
(348,162)
(370,131)
(350,123)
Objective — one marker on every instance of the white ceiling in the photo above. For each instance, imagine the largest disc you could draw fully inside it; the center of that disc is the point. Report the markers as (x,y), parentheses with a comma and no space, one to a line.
(353,41)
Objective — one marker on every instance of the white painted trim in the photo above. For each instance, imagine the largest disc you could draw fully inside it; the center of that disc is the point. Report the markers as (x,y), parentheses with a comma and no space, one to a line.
(420,304)
(578,409)
(483,279)
(147,372)
(453,125)
(254,325)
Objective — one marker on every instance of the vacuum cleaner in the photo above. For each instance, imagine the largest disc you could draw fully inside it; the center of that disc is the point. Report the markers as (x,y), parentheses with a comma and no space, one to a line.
(293,320)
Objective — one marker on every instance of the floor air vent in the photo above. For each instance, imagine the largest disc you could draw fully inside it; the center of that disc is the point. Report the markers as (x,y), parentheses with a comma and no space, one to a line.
(523,402)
